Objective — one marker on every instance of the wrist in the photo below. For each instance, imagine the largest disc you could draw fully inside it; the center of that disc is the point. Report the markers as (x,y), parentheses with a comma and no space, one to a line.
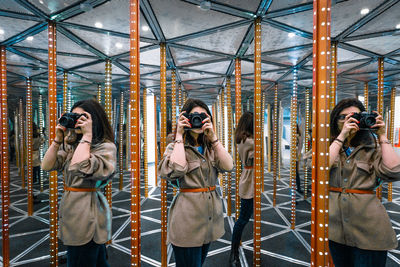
(382,137)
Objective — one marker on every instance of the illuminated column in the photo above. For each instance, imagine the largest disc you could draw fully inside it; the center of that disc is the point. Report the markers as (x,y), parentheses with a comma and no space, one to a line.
(29,144)
(41,124)
(391,132)
(180,97)
(332,96)
(258,135)
(155,136)
(134,126)
(163,135)
(22,142)
(229,146)
(145,142)
(366,96)
(280,137)
(121,141)
(65,93)
(275,144)
(173,108)
(127,139)
(320,169)
(306,139)
(108,109)
(293,148)
(99,93)
(263,137)
(5,174)
(184,96)
(223,137)
(52,115)
(238,111)
(379,106)
(114,114)
(269,136)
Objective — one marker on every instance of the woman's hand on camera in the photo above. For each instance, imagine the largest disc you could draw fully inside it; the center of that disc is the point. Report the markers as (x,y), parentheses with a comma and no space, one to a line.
(85,124)
(208,129)
(379,125)
(182,123)
(350,126)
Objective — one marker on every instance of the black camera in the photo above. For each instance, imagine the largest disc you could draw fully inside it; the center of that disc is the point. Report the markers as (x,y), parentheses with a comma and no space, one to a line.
(366,120)
(196,119)
(68,120)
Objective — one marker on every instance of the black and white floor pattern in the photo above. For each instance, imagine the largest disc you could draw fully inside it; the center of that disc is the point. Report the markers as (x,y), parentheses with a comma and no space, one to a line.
(281,246)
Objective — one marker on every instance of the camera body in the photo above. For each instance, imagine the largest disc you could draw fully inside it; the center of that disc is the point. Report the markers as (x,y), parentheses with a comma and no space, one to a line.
(196,119)
(366,119)
(68,120)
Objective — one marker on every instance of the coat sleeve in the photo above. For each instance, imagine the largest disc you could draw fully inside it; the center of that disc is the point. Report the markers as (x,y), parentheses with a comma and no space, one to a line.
(100,165)
(168,169)
(384,172)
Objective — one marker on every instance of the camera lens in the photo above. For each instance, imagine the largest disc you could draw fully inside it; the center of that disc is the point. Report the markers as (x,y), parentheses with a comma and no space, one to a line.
(369,121)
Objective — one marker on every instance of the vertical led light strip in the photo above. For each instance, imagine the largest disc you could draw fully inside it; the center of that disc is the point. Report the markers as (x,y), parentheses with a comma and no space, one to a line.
(5,168)
(52,115)
(163,135)
(108,109)
(41,121)
(134,126)
(223,138)
(275,144)
(22,142)
(173,108)
(366,96)
(293,149)
(180,97)
(332,97)
(155,135)
(145,158)
(121,141)
(391,133)
(114,114)
(306,139)
(263,138)
(184,96)
(65,93)
(238,111)
(320,169)
(379,104)
(258,164)
(230,134)
(29,145)
(99,93)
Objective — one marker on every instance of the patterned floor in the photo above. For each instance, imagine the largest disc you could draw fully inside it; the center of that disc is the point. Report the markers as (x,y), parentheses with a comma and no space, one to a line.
(281,246)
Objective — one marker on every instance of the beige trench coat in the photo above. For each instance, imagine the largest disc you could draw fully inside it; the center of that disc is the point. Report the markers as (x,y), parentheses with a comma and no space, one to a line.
(246,182)
(194,219)
(360,220)
(84,216)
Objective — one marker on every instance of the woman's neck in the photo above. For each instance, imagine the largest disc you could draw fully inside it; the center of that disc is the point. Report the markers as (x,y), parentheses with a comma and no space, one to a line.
(195,136)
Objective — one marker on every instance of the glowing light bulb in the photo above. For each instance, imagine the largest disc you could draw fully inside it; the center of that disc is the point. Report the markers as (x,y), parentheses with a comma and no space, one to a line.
(291,34)
(98,25)
(364,11)
(145,28)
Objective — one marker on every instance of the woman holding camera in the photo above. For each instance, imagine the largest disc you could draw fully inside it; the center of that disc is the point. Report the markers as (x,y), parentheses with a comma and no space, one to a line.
(360,232)
(245,145)
(192,161)
(88,161)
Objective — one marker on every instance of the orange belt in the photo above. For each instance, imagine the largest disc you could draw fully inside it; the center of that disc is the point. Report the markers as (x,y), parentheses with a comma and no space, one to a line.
(354,191)
(195,190)
(248,167)
(76,189)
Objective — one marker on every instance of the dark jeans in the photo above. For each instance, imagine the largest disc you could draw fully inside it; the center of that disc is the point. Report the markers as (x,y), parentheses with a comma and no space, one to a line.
(88,255)
(345,256)
(246,210)
(298,183)
(36,174)
(190,257)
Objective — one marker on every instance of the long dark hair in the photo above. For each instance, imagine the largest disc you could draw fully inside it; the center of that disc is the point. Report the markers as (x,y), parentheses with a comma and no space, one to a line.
(101,127)
(362,136)
(201,139)
(244,128)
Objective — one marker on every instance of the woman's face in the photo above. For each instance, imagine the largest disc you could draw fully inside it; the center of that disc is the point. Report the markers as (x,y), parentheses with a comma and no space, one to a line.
(198,110)
(345,112)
